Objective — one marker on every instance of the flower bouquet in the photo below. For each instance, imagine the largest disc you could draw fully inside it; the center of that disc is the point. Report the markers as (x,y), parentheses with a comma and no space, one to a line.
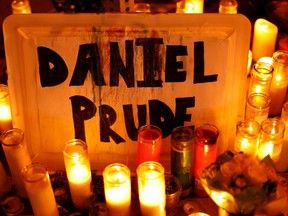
(241,184)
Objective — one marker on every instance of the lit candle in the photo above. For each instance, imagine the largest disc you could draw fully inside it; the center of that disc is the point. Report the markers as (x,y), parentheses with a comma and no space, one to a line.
(282,163)
(247,136)
(261,77)
(20,7)
(39,189)
(117,188)
(257,107)
(228,7)
(5,111)
(190,6)
(279,82)
(205,152)
(148,144)
(271,139)
(17,156)
(78,170)
(264,38)
(151,188)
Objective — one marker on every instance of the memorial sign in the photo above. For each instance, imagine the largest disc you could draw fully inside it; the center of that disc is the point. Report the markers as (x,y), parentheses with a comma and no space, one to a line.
(99,77)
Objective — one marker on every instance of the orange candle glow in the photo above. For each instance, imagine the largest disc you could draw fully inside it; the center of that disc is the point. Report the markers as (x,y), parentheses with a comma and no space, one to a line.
(78,172)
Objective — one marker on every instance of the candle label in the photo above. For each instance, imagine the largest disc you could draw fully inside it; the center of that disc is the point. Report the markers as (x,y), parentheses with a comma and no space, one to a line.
(103,78)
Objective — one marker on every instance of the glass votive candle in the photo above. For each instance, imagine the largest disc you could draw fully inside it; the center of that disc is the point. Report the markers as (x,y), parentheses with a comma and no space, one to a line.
(271,138)
(282,164)
(17,156)
(261,77)
(5,110)
(151,188)
(228,7)
(142,8)
(78,171)
(39,189)
(279,82)
(20,7)
(190,6)
(149,143)
(117,189)
(182,143)
(173,194)
(247,136)
(257,107)
(205,152)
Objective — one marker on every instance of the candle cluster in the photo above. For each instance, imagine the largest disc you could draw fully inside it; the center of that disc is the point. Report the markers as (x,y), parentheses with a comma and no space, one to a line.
(262,130)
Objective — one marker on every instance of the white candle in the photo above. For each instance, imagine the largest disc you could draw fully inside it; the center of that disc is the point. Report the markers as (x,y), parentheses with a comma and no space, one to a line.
(17,156)
(20,7)
(247,136)
(264,38)
(117,187)
(151,186)
(271,139)
(4,181)
(228,7)
(5,110)
(279,82)
(79,184)
(190,6)
(78,170)
(39,189)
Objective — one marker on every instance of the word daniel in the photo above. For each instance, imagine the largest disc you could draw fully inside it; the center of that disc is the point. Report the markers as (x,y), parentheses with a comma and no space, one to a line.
(89,60)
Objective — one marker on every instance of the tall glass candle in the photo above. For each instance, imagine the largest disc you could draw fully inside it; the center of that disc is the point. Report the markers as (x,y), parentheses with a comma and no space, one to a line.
(39,189)
(271,139)
(257,107)
(228,7)
(20,7)
(279,82)
(148,144)
(117,188)
(190,6)
(261,77)
(5,186)
(151,188)
(282,163)
(17,156)
(264,38)
(78,170)
(5,110)
(247,136)
(182,143)
(205,152)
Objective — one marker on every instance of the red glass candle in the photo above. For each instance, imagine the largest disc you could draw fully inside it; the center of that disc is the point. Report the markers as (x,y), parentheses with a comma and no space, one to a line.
(205,152)
(149,144)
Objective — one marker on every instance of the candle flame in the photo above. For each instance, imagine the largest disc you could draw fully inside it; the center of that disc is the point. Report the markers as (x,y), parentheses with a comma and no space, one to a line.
(265,28)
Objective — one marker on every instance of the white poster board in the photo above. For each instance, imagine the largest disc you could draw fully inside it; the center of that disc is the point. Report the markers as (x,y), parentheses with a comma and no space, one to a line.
(99,77)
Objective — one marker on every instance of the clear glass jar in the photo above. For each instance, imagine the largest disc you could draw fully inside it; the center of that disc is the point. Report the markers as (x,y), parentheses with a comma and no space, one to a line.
(78,170)
(39,189)
(20,7)
(261,77)
(247,136)
(182,143)
(279,82)
(257,107)
(228,7)
(117,188)
(17,156)
(151,188)
(271,139)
